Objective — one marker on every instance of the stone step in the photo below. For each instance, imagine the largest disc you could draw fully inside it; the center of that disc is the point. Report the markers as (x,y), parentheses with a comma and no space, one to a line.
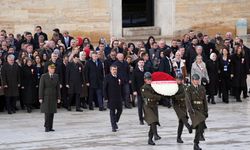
(135,39)
(141,31)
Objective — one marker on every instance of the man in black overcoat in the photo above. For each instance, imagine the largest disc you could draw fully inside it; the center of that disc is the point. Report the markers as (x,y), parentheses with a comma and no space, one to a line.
(113,83)
(137,83)
(11,82)
(74,81)
(94,79)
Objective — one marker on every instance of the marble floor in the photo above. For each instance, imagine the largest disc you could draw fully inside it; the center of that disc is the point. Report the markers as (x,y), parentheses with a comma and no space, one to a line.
(228,129)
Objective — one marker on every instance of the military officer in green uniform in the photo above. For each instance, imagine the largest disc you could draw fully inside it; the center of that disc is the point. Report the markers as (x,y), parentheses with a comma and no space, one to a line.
(179,105)
(49,96)
(150,108)
(197,108)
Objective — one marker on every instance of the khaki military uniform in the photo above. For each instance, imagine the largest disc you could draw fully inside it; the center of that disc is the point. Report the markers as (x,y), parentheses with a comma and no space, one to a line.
(197,104)
(179,103)
(151,99)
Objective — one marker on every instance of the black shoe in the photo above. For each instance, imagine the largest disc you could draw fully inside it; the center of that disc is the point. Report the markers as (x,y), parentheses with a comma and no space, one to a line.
(128,107)
(179,140)
(84,106)
(225,101)
(113,130)
(151,142)
(141,123)
(213,102)
(157,137)
(79,110)
(28,110)
(116,126)
(46,130)
(197,147)
(246,96)
(13,111)
(91,108)
(9,112)
(52,130)
(190,130)
(238,100)
(102,109)
(202,138)
(69,108)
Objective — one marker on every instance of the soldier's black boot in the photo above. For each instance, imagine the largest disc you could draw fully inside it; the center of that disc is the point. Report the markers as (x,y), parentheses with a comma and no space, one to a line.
(202,138)
(179,132)
(150,137)
(155,133)
(189,127)
(212,100)
(196,146)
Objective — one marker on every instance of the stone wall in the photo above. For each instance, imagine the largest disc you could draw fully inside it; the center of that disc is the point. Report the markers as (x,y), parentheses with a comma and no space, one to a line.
(80,17)
(210,16)
(95,18)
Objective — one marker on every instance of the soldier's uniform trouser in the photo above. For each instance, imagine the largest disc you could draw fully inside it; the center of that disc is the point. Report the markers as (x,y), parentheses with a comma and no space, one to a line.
(182,122)
(153,130)
(199,131)
(140,107)
(49,120)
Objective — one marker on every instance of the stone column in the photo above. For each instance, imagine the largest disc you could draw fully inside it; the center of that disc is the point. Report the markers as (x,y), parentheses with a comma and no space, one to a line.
(116,18)
(165,16)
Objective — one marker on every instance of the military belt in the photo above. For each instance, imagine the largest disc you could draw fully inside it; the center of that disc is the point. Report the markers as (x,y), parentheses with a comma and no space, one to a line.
(197,102)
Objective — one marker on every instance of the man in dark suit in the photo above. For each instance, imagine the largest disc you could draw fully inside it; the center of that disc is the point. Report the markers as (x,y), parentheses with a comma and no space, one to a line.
(109,61)
(124,74)
(94,78)
(27,39)
(74,81)
(113,83)
(11,82)
(166,64)
(66,39)
(37,34)
(49,96)
(137,83)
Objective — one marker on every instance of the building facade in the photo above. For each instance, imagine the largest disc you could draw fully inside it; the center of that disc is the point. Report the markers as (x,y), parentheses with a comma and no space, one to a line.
(123,18)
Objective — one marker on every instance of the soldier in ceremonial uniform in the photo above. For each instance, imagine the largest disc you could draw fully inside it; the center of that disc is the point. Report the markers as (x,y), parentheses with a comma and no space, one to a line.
(150,106)
(197,108)
(49,96)
(179,104)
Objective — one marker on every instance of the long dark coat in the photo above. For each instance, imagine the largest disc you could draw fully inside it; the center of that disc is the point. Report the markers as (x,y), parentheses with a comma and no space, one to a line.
(179,103)
(196,104)
(74,77)
(84,91)
(213,74)
(94,74)
(112,91)
(29,81)
(225,73)
(49,91)
(150,107)
(239,70)
(137,80)
(11,78)
(166,66)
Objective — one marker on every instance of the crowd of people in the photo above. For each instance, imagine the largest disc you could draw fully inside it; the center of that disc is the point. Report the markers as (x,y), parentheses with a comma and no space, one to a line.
(222,62)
